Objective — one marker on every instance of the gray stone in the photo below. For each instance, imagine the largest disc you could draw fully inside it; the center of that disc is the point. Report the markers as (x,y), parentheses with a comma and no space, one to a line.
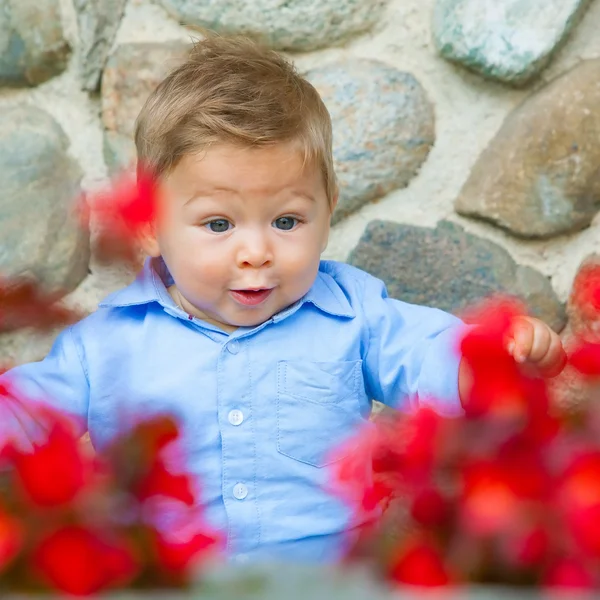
(282,24)
(132,72)
(450,269)
(505,40)
(539,176)
(383,128)
(98,24)
(40,234)
(32,44)
(119,152)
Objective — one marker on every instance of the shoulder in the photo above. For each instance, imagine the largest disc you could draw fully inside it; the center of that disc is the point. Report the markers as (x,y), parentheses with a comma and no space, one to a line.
(369,297)
(107,325)
(354,282)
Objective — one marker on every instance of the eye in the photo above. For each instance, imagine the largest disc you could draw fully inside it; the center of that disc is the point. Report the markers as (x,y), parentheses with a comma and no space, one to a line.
(218,225)
(285,223)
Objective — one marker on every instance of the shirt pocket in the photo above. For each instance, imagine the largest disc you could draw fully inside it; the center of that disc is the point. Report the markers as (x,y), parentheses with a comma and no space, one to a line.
(317,408)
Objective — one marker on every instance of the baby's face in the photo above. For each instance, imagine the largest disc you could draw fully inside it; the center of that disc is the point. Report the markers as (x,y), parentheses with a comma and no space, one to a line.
(241,231)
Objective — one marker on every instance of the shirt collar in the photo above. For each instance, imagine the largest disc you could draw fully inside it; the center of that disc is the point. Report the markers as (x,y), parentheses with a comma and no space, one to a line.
(149,286)
(328,296)
(154,278)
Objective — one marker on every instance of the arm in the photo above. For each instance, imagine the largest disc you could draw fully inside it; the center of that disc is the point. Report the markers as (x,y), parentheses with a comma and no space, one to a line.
(59,381)
(411,357)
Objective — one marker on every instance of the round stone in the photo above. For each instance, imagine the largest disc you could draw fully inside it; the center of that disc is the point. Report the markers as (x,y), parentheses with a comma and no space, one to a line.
(33,48)
(39,234)
(383,128)
(291,25)
(507,40)
(97,24)
(539,175)
(132,72)
(451,269)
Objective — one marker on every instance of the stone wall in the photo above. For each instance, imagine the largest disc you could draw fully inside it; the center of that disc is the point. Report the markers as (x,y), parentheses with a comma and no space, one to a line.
(467,134)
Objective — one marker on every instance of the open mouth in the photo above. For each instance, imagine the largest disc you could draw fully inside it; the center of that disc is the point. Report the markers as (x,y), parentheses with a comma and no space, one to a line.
(251,297)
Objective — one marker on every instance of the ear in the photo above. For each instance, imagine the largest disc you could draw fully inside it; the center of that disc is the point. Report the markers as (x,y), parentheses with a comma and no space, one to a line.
(332,206)
(334,200)
(148,240)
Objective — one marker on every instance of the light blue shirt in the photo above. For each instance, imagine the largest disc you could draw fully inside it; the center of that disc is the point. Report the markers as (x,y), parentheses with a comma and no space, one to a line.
(261,408)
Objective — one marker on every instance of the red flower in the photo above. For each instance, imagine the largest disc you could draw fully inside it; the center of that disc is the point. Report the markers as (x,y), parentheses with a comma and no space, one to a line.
(413,446)
(352,475)
(122,213)
(586,359)
(526,543)
(585,294)
(531,547)
(24,303)
(499,388)
(178,556)
(155,434)
(419,563)
(496,490)
(579,501)
(11,539)
(159,481)
(489,505)
(430,508)
(584,525)
(569,573)
(55,472)
(78,561)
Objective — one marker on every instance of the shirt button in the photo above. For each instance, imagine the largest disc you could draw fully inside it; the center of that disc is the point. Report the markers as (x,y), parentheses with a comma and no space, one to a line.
(236,417)
(233,347)
(240,491)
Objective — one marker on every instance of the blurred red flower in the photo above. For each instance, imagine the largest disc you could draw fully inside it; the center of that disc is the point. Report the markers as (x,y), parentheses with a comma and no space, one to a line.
(527,546)
(586,359)
(430,508)
(11,538)
(499,386)
(418,562)
(578,497)
(55,471)
(122,212)
(79,561)
(585,294)
(569,573)
(25,303)
(177,556)
(159,481)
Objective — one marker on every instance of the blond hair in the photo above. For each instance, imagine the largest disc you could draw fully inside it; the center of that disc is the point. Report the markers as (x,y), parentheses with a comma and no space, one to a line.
(233,90)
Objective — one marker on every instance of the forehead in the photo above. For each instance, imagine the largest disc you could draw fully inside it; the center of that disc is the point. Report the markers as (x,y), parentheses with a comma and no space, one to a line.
(263,170)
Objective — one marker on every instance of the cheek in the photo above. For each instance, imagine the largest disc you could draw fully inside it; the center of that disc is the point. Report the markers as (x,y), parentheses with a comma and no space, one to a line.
(196,256)
(301,258)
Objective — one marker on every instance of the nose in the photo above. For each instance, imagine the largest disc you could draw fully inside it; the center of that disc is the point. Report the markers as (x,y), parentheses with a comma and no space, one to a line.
(254,250)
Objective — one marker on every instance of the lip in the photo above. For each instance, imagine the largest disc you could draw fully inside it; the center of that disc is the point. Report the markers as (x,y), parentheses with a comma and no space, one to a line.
(251,297)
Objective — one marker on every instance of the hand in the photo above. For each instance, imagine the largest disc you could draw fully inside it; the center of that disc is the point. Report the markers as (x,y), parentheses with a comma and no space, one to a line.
(532,342)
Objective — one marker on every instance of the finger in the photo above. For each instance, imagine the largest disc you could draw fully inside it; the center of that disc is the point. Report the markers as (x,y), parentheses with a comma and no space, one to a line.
(522,340)
(542,339)
(555,359)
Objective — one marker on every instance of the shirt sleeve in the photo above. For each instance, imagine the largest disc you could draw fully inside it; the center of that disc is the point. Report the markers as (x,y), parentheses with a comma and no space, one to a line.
(58,381)
(412,357)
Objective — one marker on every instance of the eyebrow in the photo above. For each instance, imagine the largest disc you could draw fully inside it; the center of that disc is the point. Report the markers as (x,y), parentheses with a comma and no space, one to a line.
(307,196)
(200,193)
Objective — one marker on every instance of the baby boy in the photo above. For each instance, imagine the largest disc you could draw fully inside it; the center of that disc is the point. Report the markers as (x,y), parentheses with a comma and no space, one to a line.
(268,356)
